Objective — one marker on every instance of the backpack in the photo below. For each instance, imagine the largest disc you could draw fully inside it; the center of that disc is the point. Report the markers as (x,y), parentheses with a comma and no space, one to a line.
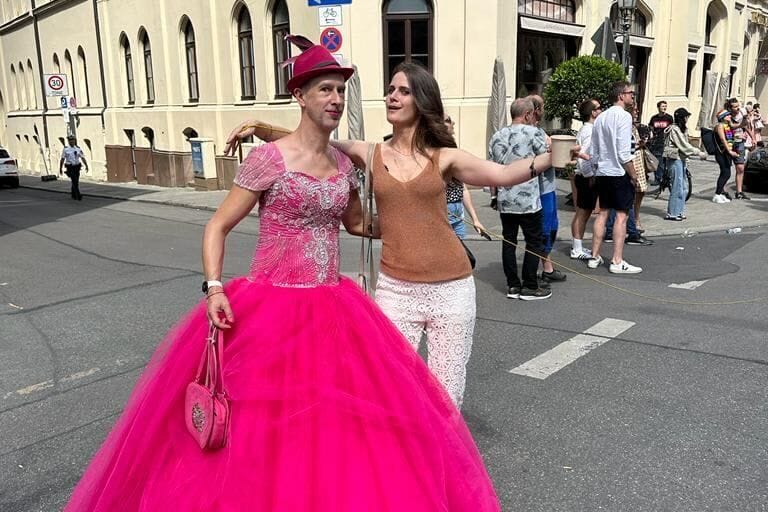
(709,140)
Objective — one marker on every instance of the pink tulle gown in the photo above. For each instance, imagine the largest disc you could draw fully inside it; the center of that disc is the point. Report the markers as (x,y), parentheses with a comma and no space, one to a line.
(332,410)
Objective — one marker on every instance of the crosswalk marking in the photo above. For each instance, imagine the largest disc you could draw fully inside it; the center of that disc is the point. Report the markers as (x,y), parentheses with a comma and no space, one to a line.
(556,359)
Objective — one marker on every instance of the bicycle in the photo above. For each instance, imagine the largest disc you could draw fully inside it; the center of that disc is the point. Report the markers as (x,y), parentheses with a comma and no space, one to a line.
(666,183)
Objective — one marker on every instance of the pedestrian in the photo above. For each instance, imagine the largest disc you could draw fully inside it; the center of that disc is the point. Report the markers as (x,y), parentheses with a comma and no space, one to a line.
(548,189)
(520,205)
(73,159)
(330,409)
(724,156)
(658,123)
(616,179)
(677,150)
(584,180)
(425,283)
(459,201)
(741,129)
(639,137)
(759,124)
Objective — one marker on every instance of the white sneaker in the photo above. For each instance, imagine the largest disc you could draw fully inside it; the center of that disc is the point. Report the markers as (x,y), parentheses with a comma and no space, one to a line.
(584,254)
(624,268)
(595,262)
(720,199)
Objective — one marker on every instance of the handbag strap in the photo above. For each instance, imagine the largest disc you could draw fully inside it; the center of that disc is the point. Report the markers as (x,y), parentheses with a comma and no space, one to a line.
(367,206)
(212,361)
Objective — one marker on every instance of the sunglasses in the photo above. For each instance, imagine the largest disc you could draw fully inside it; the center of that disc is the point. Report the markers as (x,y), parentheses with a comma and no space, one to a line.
(631,93)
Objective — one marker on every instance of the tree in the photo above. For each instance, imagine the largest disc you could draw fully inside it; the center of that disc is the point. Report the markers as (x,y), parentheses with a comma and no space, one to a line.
(577,80)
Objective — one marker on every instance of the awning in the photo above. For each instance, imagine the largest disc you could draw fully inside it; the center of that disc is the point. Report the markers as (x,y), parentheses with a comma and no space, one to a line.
(551,27)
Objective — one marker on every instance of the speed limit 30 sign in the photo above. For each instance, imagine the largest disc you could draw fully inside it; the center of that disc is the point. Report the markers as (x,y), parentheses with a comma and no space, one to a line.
(56,85)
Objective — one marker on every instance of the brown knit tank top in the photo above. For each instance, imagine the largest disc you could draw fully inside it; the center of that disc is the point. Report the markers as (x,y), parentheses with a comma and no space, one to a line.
(418,244)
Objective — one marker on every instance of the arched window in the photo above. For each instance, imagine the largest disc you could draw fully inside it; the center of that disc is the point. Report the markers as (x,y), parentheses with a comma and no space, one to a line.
(281,27)
(126,46)
(407,34)
(70,70)
(149,134)
(82,77)
(56,64)
(23,87)
(560,10)
(189,133)
(245,47)
(32,93)
(148,72)
(15,88)
(638,26)
(190,51)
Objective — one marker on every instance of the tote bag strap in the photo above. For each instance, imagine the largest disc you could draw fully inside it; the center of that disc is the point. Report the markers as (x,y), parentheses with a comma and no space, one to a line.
(366,274)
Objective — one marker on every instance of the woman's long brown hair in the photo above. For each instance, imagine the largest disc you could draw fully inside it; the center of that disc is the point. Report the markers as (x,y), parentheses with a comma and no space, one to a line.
(431,131)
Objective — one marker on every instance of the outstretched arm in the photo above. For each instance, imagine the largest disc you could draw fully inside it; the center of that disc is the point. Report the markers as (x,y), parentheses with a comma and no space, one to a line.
(264,131)
(471,170)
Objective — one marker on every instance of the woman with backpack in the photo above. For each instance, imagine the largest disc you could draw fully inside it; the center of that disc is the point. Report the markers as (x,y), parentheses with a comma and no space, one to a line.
(677,150)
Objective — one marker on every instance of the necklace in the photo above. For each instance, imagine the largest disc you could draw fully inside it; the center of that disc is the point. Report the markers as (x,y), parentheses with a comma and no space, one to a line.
(398,151)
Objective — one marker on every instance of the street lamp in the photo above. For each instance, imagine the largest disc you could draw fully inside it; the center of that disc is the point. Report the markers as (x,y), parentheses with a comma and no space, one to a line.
(627,12)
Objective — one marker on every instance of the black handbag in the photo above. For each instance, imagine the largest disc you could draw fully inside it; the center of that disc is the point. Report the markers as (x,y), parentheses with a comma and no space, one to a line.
(472,259)
(709,140)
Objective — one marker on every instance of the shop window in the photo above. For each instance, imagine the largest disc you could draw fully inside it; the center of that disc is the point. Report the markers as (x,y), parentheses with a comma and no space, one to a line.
(689,77)
(559,10)
(149,75)
(190,53)
(128,59)
(407,34)
(281,27)
(639,24)
(707,66)
(245,48)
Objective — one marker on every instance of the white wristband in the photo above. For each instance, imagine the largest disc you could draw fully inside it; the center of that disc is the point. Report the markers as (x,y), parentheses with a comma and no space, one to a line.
(211,284)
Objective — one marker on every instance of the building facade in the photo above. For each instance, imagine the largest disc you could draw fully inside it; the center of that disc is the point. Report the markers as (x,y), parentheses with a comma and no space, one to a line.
(147,76)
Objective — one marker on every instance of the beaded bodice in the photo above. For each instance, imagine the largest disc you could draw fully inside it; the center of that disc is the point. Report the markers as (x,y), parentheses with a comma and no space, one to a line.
(300,214)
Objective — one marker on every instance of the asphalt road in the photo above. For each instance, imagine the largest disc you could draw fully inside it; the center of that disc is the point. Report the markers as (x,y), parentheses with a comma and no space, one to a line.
(667,415)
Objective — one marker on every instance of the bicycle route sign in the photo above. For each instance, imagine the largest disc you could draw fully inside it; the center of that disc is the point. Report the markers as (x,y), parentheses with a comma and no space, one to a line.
(56,85)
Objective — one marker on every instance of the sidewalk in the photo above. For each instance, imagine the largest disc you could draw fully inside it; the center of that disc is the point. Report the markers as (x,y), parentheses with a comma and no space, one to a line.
(703,215)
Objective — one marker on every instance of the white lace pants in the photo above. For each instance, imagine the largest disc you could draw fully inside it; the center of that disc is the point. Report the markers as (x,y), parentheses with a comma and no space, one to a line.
(446,312)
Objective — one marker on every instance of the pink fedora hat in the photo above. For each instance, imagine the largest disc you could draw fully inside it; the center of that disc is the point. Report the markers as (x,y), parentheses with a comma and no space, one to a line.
(313,61)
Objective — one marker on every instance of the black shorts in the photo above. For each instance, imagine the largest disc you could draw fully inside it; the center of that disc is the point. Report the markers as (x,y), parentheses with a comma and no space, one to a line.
(615,192)
(586,192)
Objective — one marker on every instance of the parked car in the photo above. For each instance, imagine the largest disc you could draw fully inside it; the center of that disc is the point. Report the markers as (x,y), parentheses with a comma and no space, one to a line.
(756,171)
(9,172)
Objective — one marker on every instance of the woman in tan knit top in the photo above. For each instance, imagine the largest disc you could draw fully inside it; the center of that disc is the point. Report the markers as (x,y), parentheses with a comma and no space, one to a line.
(425,283)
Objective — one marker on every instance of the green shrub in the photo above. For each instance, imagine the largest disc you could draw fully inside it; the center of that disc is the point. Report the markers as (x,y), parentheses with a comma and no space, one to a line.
(579,79)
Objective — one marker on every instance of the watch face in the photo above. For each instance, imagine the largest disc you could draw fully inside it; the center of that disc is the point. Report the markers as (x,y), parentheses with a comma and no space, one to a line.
(205,286)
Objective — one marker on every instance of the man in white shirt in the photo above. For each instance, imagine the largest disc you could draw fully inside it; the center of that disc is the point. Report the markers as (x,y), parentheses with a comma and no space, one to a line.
(584,181)
(611,152)
(71,158)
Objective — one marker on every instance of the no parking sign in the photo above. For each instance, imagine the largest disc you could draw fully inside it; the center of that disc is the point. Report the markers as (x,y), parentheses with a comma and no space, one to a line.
(331,39)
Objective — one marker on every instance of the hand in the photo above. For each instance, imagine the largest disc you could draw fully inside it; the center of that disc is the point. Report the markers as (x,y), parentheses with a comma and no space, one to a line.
(734,154)
(576,154)
(478,227)
(703,155)
(242,131)
(219,310)
(634,181)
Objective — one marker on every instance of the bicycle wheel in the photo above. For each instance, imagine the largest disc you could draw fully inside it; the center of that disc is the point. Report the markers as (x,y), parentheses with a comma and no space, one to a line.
(690,184)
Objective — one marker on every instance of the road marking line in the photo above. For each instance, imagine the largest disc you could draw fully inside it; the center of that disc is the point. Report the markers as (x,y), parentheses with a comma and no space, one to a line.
(40,386)
(556,359)
(690,285)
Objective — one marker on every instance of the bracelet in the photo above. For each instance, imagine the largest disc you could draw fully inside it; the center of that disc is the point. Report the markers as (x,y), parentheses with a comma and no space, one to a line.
(213,293)
(532,168)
